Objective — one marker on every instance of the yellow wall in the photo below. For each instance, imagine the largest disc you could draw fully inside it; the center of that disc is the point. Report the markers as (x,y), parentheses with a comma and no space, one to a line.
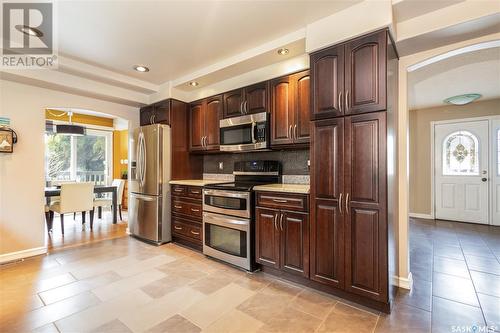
(120,152)
(420,145)
(79,118)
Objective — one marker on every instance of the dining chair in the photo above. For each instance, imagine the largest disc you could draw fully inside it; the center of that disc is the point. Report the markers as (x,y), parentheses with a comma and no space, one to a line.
(108,202)
(49,217)
(75,197)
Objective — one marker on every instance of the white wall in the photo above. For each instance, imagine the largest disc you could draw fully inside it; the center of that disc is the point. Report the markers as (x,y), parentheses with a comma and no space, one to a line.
(22,224)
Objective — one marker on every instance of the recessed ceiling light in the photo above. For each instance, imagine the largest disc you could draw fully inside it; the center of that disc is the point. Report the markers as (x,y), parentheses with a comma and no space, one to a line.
(194,84)
(27,30)
(283,51)
(141,68)
(462,99)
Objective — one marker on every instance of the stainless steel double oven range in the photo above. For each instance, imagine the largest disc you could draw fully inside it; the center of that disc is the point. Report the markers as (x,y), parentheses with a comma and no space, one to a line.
(228,213)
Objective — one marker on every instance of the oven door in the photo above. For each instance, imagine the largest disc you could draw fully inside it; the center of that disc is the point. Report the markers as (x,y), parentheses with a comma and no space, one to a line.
(234,203)
(244,133)
(227,238)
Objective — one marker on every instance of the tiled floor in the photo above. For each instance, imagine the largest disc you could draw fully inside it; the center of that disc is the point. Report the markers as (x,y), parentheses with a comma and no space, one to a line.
(123,285)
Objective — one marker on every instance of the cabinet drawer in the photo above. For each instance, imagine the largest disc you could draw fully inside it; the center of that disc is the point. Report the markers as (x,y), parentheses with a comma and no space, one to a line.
(187,208)
(284,201)
(180,228)
(194,192)
(180,190)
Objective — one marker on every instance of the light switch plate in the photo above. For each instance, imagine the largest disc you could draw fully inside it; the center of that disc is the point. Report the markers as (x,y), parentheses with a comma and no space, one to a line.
(221,166)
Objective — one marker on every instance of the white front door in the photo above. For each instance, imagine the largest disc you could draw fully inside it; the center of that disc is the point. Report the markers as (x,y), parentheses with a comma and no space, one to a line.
(462,171)
(495,172)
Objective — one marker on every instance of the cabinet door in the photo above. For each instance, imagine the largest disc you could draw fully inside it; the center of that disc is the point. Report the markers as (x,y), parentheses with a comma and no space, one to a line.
(365,74)
(196,126)
(282,111)
(366,205)
(294,243)
(162,112)
(212,114)
(233,103)
(267,237)
(256,98)
(327,73)
(145,115)
(302,115)
(327,220)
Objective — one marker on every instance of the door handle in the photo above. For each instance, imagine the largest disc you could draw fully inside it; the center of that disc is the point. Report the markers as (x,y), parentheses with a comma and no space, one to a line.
(195,210)
(295,131)
(276,221)
(254,124)
(280,201)
(177,228)
(347,100)
(245,107)
(340,204)
(177,206)
(347,204)
(281,221)
(290,131)
(195,233)
(484,179)
(241,107)
(340,101)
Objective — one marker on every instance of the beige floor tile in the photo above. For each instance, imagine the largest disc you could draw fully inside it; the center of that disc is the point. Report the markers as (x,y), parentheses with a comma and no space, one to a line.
(114,326)
(103,313)
(160,309)
(211,308)
(54,282)
(254,282)
(234,321)
(347,319)
(282,288)
(404,318)
(49,328)
(50,313)
(263,306)
(213,282)
(177,324)
(57,294)
(314,303)
(290,320)
(125,285)
(143,265)
(97,268)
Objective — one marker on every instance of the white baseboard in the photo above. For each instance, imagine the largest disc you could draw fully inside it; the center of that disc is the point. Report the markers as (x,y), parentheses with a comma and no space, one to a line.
(7,257)
(421,216)
(402,282)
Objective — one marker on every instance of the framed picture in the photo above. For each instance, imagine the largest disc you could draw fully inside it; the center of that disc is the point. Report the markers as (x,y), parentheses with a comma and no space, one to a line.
(6,140)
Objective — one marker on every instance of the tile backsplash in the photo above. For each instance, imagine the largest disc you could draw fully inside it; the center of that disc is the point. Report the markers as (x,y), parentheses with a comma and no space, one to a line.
(294,162)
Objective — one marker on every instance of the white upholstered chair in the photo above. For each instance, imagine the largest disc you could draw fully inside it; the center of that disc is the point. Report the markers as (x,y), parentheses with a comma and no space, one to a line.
(108,202)
(75,197)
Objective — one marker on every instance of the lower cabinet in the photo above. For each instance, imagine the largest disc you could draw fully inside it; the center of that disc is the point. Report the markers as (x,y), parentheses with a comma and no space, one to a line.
(282,239)
(187,215)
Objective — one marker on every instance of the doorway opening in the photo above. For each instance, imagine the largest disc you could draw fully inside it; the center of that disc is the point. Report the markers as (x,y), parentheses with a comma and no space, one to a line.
(97,154)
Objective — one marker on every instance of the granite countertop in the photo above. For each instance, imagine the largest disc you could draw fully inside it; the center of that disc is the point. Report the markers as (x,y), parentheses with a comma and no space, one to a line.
(195,182)
(288,188)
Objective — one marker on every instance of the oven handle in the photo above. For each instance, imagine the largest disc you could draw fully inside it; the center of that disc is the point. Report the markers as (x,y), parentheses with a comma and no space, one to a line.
(230,194)
(225,221)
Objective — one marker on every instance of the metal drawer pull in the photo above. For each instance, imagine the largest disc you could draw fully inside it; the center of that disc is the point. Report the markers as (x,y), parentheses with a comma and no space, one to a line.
(177,228)
(280,201)
(195,192)
(195,210)
(194,232)
(177,189)
(281,221)
(178,207)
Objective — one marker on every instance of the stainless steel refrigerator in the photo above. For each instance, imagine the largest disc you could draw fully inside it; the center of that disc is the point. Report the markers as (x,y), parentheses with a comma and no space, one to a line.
(149,206)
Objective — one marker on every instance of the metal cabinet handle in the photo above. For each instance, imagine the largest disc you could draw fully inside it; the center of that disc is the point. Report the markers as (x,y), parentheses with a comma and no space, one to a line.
(177,189)
(241,107)
(347,203)
(195,210)
(340,101)
(340,204)
(195,233)
(195,192)
(280,201)
(290,131)
(245,107)
(177,228)
(275,221)
(295,131)
(178,207)
(154,118)
(347,100)
(281,221)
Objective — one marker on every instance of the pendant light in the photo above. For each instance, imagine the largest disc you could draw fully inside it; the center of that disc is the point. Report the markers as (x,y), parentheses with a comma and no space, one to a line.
(70,129)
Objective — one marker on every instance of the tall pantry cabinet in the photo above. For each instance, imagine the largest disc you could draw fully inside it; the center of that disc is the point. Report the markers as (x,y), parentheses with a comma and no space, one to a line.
(352,240)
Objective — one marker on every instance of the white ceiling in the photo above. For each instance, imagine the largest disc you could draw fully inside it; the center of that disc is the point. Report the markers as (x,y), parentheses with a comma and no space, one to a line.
(175,38)
(474,72)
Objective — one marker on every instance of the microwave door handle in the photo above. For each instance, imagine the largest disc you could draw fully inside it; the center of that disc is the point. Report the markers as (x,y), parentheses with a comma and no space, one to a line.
(254,125)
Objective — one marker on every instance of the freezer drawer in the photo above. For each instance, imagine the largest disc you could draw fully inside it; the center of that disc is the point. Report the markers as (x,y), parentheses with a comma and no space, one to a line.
(145,216)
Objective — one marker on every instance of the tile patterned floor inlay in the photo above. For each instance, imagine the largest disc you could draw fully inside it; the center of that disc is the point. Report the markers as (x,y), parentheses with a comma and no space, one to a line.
(123,285)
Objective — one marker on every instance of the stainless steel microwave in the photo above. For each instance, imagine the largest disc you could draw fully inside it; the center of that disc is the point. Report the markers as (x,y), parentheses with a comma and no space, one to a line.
(244,133)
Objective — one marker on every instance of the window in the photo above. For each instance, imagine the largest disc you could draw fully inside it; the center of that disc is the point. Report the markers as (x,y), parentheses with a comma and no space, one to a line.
(461,154)
(80,158)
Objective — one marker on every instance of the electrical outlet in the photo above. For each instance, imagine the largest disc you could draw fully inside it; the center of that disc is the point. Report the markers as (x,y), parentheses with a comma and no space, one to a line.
(308,163)
(221,166)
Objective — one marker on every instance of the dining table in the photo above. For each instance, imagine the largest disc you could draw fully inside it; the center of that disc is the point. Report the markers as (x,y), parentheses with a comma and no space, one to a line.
(56,191)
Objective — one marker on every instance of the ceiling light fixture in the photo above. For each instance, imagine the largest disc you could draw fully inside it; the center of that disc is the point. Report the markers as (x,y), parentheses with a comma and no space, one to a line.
(462,99)
(27,30)
(140,68)
(283,51)
(194,84)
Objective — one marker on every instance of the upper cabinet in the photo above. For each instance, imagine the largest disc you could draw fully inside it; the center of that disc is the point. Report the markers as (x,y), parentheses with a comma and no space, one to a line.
(248,100)
(204,124)
(290,104)
(350,78)
(157,113)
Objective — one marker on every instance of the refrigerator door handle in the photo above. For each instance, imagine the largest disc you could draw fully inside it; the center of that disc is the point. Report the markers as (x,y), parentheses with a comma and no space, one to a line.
(141,197)
(144,157)
(139,158)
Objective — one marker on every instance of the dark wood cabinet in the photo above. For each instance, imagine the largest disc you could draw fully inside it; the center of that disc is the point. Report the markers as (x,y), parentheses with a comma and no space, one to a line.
(146,115)
(187,215)
(204,124)
(290,96)
(350,78)
(247,100)
(282,235)
(157,113)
